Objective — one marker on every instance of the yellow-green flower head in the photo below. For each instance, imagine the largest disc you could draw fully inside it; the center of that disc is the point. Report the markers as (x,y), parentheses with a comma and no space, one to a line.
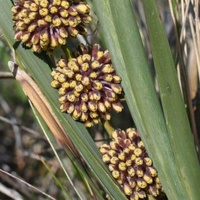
(88,85)
(130,165)
(46,24)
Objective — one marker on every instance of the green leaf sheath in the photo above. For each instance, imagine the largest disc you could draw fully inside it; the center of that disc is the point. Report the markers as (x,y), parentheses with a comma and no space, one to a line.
(40,72)
(173,106)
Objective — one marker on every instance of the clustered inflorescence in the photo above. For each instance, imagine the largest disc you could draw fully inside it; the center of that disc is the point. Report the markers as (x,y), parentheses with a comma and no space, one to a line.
(88,85)
(130,164)
(46,24)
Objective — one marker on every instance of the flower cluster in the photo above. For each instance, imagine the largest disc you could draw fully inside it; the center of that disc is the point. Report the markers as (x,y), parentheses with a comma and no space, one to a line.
(130,165)
(46,24)
(88,85)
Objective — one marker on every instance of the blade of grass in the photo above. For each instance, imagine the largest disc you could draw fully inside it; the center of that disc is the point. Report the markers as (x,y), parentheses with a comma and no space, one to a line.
(66,194)
(173,106)
(49,138)
(76,163)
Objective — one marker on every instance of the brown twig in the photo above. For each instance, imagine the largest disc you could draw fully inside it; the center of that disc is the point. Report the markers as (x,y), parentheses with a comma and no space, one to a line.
(27,184)
(16,129)
(12,182)
(10,192)
(6,75)
(24,128)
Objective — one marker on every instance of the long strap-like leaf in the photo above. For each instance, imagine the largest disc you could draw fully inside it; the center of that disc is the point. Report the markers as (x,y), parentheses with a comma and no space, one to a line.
(173,106)
(121,34)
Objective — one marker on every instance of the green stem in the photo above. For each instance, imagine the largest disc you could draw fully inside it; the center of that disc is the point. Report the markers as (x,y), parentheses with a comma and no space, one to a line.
(108,128)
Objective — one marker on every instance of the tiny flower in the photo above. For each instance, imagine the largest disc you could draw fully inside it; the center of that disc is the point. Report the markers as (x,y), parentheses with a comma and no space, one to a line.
(130,165)
(46,24)
(88,85)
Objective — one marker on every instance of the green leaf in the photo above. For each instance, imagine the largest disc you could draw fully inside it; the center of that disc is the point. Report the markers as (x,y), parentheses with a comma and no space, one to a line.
(173,105)
(121,34)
